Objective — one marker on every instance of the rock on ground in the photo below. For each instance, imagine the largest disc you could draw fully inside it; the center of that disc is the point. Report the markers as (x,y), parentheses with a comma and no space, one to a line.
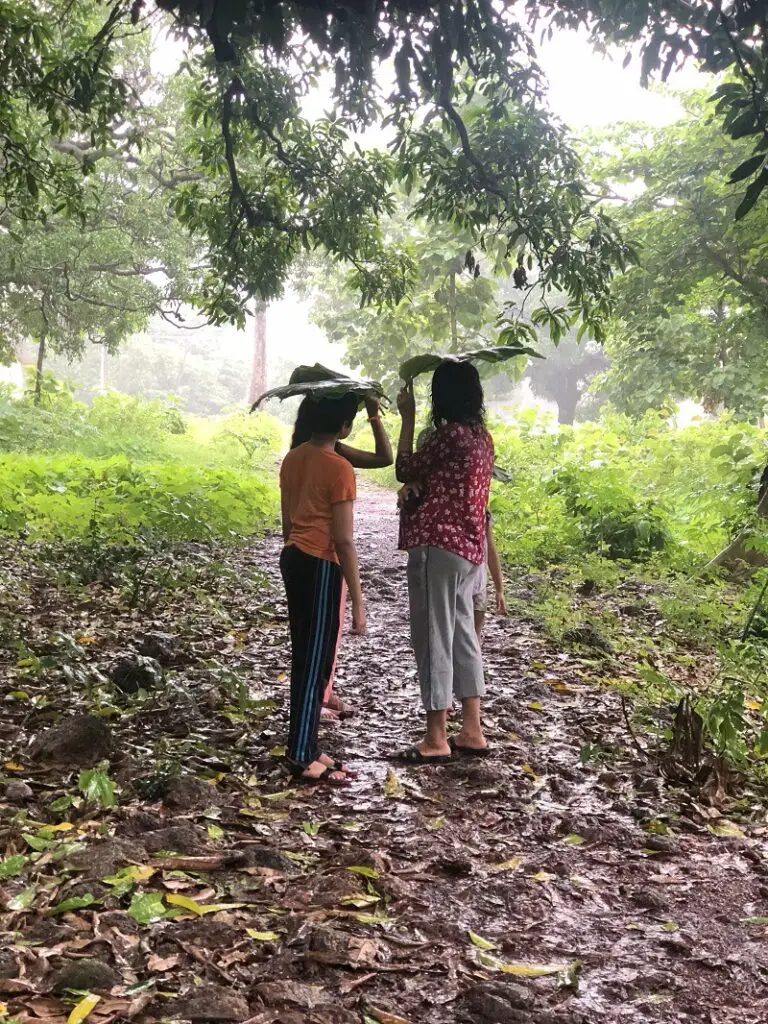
(93,975)
(81,740)
(107,857)
(212,1003)
(18,792)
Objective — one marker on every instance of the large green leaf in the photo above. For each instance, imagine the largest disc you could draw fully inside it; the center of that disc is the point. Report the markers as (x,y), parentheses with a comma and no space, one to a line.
(334,386)
(429,362)
(307,374)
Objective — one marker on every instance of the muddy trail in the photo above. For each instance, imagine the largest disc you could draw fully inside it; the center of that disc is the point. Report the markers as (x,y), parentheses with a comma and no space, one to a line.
(560,881)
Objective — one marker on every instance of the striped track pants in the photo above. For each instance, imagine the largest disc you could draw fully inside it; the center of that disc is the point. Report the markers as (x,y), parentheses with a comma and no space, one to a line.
(313,589)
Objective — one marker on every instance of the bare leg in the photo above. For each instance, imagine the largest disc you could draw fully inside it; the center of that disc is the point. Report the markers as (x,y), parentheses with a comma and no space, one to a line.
(328,694)
(471,732)
(435,738)
(479,623)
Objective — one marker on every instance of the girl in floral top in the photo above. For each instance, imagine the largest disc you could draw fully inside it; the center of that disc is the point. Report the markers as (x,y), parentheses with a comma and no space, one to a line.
(445,537)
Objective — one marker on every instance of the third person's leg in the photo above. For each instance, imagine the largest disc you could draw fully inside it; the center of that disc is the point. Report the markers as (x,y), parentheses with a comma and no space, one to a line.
(332,704)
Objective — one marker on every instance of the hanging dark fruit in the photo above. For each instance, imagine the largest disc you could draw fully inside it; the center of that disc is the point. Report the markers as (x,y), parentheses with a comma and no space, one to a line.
(520,276)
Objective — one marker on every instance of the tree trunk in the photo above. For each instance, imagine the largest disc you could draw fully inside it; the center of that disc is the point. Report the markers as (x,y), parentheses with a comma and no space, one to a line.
(39,369)
(258,382)
(452,311)
(564,392)
(737,550)
(103,370)
(566,406)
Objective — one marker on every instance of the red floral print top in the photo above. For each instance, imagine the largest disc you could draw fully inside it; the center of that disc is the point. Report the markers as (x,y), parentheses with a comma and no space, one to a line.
(455,466)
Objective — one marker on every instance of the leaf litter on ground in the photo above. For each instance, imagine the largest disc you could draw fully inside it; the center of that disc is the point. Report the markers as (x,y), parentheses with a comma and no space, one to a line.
(241,896)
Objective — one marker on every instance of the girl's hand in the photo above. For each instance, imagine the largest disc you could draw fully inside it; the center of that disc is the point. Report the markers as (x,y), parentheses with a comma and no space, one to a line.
(358,619)
(372,407)
(409,493)
(406,402)
(501,603)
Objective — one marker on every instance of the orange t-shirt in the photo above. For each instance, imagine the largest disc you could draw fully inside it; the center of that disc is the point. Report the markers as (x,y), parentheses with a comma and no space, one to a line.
(313,479)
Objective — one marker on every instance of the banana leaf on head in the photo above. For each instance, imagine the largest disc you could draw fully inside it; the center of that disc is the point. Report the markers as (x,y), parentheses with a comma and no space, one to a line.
(319,382)
(428,362)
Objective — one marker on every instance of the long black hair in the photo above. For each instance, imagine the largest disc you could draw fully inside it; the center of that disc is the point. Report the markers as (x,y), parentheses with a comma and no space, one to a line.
(323,416)
(457,394)
(302,428)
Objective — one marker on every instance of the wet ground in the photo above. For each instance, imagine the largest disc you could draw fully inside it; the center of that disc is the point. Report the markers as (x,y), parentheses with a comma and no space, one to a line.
(560,881)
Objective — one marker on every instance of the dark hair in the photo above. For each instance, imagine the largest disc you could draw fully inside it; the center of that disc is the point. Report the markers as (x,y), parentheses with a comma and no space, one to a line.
(302,428)
(457,394)
(326,416)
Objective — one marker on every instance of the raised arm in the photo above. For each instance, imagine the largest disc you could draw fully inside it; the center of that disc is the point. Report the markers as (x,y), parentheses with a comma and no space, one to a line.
(382,456)
(406,404)
(342,527)
(438,449)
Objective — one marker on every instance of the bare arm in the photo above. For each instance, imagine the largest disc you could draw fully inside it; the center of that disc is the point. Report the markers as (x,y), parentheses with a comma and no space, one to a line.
(342,523)
(285,517)
(494,567)
(406,403)
(382,456)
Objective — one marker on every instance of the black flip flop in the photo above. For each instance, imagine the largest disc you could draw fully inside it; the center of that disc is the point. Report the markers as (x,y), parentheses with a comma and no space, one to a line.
(457,748)
(413,756)
(325,778)
(339,766)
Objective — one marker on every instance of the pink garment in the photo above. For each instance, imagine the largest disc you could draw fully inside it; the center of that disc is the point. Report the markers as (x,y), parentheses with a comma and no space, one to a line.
(329,688)
(455,465)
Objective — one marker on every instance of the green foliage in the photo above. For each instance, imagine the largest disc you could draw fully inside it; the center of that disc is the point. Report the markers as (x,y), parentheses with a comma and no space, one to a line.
(613,521)
(319,382)
(97,787)
(114,500)
(107,490)
(417,365)
(58,80)
(730,41)
(258,183)
(95,265)
(625,489)
(447,308)
(691,317)
(732,704)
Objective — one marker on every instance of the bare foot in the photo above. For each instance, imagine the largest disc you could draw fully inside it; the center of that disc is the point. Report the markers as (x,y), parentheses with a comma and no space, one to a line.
(433,749)
(330,762)
(320,768)
(475,740)
(338,705)
(328,715)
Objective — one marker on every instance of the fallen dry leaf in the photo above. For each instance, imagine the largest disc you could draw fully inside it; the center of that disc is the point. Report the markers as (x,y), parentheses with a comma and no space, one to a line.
(383,1017)
(158,964)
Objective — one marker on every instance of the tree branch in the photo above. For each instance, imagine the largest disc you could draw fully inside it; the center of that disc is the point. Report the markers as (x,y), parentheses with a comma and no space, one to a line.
(443,53)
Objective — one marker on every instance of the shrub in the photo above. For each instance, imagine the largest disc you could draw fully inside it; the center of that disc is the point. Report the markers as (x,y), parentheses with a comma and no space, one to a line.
(625,489)
(68,498)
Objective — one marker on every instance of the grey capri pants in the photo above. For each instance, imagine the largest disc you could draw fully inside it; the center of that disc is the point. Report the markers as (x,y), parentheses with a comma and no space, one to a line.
(448,658)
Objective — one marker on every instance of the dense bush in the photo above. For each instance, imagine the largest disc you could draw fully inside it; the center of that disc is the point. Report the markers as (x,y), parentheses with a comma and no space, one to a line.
(624,489)
(71,497)
(124,469)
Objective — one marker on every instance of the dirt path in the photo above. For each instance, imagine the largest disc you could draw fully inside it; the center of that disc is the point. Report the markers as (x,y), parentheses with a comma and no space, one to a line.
(655,920)
(426,896)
